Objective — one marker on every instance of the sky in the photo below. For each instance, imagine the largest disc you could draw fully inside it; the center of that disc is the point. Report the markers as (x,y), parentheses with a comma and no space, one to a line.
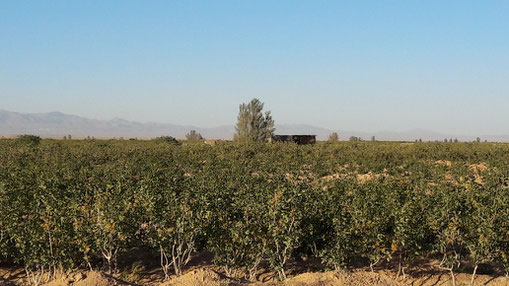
(345,65)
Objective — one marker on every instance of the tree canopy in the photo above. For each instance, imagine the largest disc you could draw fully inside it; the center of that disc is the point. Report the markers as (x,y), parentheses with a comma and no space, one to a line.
(252,123)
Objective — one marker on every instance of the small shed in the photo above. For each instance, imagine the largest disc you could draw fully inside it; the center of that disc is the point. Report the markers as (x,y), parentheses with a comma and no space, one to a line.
(298,139)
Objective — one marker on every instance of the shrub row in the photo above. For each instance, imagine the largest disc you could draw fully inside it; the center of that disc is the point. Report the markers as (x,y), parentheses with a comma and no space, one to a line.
(69,204)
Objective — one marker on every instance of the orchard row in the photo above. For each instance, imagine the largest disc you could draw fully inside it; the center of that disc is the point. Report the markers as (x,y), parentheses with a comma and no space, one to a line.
(71,204)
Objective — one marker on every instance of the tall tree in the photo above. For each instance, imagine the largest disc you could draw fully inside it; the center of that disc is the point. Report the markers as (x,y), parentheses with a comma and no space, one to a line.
(252,123)
(334,137)
(194,136)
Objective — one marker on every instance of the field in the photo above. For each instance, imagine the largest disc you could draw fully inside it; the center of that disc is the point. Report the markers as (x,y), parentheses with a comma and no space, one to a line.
(151,212)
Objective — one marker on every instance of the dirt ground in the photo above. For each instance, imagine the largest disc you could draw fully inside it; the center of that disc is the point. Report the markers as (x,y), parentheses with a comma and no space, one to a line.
(355,278)
(208,276)
(145,271)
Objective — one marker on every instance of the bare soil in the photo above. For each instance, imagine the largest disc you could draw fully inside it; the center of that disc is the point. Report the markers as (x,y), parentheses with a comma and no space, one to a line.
(143,269)
(211,276)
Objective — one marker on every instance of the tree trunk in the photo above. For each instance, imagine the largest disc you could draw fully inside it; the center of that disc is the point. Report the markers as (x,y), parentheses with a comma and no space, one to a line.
(253,269)
(35,277)
(282,274)
(165,263)
(108,255)
(473,274)
(372,264)
(399,266)
(452,276)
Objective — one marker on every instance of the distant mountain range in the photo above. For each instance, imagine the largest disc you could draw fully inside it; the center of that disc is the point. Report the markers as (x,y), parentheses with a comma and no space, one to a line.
(57,125)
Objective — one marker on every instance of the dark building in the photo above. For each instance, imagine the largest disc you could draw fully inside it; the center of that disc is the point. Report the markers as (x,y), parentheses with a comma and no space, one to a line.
(298,139)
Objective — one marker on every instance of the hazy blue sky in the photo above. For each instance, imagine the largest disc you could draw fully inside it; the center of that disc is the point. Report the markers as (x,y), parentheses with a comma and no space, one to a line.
(350,65)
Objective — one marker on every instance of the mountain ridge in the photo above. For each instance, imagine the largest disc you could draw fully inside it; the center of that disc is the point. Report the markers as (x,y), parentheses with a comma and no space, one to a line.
(57,124)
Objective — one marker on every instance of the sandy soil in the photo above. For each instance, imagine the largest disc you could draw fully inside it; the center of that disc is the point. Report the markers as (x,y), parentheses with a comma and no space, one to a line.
(208,276)
(144,270)
(358,278)
(87,278)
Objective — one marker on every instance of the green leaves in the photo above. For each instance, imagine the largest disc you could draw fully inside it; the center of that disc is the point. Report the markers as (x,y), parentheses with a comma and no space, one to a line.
(70,203)
(252,123)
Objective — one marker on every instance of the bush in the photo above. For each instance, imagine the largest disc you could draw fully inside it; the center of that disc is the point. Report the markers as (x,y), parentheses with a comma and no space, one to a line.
(31,140)
(194,136)
(167,139)
(64,206)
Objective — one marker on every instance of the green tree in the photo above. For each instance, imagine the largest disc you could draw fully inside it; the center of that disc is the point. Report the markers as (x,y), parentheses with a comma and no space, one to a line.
(447,222)
(252,124)
(283,219)
(194,136)
(166,139)
(334,137)
(31,140)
